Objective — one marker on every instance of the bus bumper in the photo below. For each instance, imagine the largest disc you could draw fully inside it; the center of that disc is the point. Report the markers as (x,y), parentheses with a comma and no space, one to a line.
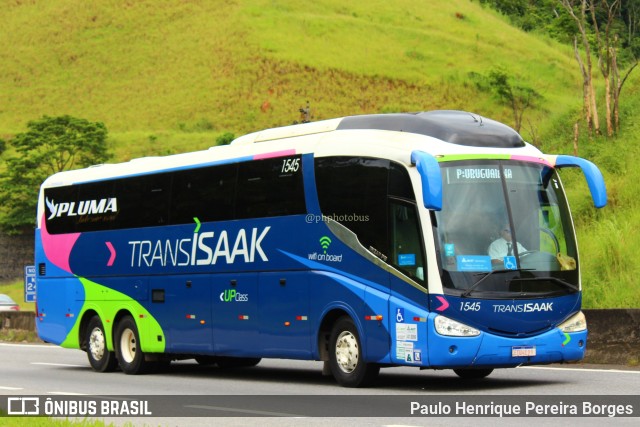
(488,350)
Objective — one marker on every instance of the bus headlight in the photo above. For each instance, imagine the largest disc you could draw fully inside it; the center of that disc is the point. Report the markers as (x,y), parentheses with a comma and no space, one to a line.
(575,323)
(451,328)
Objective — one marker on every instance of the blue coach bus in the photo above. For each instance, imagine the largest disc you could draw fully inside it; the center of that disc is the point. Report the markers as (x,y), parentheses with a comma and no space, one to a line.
(438,240)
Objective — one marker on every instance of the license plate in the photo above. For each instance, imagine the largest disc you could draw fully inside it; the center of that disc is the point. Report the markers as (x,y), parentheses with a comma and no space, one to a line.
(523,351)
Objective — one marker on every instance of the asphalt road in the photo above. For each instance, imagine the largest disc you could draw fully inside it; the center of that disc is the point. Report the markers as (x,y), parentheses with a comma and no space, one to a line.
(43,370)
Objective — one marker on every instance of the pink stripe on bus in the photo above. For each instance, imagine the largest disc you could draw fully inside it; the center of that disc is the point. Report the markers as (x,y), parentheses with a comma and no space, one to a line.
(532,159)
(57,247)
(274,154)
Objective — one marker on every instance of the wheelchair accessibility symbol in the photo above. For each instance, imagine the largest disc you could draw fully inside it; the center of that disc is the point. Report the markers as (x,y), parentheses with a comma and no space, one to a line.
(400,315)
(510,263)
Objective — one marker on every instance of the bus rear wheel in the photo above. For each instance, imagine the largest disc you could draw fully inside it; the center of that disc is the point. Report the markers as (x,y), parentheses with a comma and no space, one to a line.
(130,355)
(100,358)
(472,374)
(345,356)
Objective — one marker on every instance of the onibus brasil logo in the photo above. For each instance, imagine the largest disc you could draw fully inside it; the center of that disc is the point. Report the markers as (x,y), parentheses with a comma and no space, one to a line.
(325,242)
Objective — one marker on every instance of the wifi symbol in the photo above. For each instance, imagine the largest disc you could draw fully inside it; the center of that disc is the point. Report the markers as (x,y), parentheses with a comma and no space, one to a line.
(325,241)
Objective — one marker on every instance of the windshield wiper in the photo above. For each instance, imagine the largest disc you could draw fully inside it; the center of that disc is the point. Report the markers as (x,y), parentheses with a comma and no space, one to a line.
(549,278)
(466,293)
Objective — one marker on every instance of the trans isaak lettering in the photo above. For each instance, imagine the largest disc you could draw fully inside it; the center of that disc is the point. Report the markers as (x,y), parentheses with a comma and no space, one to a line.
(523,308)
(208,248)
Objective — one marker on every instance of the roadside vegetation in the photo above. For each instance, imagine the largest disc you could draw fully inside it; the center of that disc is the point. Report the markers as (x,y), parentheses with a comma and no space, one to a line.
(163,78)
(51,422)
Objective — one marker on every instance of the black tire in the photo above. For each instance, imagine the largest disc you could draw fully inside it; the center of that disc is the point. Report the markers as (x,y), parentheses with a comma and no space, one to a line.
(472,374)
(345,356)
(130,355)
(100,358)
(237,362)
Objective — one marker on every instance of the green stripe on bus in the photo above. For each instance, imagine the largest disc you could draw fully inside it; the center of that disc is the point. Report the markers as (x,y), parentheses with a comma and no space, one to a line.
(107,303)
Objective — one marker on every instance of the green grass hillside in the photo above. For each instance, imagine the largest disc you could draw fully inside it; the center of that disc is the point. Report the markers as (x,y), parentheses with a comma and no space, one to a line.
(169,76)
(154,69)
(609,238)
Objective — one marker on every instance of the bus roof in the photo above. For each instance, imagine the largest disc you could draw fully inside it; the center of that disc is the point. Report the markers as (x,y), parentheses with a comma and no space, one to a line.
(393,136)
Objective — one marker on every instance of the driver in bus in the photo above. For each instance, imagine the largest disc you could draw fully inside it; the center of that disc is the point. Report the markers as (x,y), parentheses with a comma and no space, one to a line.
(503,246)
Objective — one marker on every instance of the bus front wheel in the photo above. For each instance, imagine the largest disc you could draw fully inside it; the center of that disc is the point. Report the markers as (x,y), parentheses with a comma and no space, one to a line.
(345,356)
(100,358)
(130,355)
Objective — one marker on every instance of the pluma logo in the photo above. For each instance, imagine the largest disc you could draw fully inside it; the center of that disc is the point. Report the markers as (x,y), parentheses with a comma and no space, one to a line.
(82,207)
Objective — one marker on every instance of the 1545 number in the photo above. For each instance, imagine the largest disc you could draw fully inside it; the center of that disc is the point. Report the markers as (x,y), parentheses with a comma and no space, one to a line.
(290,165)
(470,306)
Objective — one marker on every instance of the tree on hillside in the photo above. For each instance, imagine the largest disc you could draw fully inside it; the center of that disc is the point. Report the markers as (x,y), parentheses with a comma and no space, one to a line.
(518,97)
(586,67)
(603,32)
(50,145)
(600,34)
(630,12)
(605,50)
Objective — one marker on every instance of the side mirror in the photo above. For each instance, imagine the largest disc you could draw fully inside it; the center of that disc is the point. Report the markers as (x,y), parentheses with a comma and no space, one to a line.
(429,171)
(594,178)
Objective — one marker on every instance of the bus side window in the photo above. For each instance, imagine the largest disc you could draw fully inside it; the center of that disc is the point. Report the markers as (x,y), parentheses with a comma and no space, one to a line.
(406,242)
(143,201)
(205,193)
(60,224)
(270,187)
(353,192)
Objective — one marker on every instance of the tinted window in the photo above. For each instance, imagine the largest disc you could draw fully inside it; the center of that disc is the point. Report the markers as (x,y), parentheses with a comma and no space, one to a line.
(57,217)
(260,188)
(101,206)
(406,246)
(144,201)
(270,187)
(399,183)
(353,192)
(206,193)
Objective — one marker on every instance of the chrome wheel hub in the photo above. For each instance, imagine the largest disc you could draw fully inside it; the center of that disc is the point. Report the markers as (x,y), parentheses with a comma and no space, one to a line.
(97,344)
(347,352)
(128,345)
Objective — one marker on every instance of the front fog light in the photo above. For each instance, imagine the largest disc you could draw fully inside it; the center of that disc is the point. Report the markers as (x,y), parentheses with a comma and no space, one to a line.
(451,328)
(575,323)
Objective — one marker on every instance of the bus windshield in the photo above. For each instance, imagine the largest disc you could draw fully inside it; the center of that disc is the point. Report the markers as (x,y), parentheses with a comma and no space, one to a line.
(505,231)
